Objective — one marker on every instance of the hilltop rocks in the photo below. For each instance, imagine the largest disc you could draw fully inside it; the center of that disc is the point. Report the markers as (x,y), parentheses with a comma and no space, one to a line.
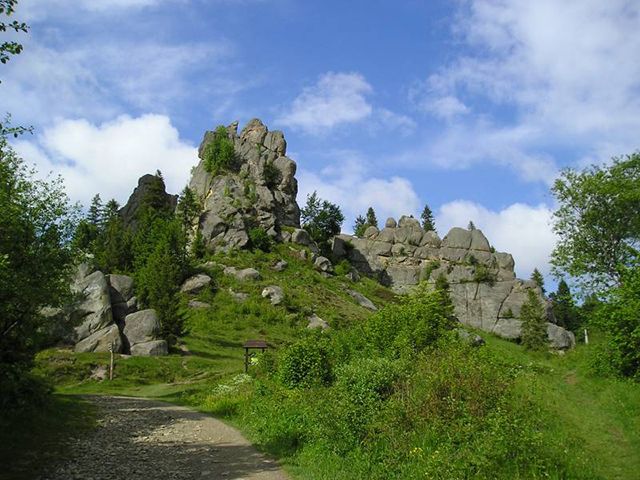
(149,186)
(483,286)
(259,191)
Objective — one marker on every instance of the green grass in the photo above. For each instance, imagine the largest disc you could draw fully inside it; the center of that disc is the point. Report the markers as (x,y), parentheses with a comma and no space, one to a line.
(32,441)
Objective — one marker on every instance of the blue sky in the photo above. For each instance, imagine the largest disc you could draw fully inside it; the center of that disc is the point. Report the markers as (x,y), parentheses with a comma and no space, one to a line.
(471,106)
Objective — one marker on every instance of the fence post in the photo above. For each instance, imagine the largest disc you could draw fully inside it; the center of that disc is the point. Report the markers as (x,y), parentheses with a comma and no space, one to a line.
(111,347)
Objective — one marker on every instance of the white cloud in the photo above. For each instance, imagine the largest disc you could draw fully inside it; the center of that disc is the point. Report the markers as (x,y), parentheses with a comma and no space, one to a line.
(348,183)
(110,157)
(95,80)
(551,76)
(335,99)
(523,230)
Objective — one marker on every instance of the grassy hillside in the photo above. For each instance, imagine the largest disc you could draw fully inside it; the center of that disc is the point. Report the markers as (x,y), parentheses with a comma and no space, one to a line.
(449,411)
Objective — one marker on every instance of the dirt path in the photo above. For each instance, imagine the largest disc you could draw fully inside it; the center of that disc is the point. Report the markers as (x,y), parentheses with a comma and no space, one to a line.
(143,439)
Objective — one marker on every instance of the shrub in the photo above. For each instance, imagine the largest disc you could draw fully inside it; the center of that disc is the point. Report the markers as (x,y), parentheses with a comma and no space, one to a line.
(271,175)
(342,268)
(219,154)
(305,363)
(259,239)
(482,274)
(322,219)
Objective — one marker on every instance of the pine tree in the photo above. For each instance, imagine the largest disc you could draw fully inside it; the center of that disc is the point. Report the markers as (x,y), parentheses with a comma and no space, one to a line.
(372,221)
(534,323)
(96,211)
(188,208)
(110,210)
(428,223)
(359,226)
(564,308)
(537,277)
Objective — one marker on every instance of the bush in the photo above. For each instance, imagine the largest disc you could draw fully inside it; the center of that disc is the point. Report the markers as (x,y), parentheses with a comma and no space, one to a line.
(322,219)
(259,239)
(305,363)
(408,328)
(482,274)
(219,154)
(342,268)
(271,175)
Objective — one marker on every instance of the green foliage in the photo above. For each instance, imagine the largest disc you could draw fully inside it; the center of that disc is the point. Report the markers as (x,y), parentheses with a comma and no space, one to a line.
(598,222)
(271,175)
(428,223)
(198,247)
(564,308)
(305,364)
(259,239)
(360,226)
(429,268)
(219,154)
(508,313)
(482,274)
(188,209)
(620,319)
(8,48)
(537,277)
(113,247)
(37,222)
(342,268)
(420,320)
(322,219)
(372,221)
(534,323)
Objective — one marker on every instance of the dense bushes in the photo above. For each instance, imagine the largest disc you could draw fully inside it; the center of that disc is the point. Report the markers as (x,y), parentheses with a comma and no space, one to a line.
(219,153)
(305,363)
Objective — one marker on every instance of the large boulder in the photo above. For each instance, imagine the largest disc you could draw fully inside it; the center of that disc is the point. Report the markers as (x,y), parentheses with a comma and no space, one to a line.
(123,301)
(559,338)
(101,341)
(141,327)
(92,312)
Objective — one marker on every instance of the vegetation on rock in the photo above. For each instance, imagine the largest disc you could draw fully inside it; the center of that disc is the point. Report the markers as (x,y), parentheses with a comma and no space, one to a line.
(219,154)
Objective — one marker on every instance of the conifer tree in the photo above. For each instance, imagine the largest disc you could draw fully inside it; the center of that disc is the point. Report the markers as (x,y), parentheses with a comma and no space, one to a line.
(537,277)
(428,223)
(471,226)
(96,211)
(372,221)
(359,226)
(564,308)
(534,323)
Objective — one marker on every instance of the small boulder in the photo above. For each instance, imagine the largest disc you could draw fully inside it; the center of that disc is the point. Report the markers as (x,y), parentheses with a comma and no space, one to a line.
(390,223)
(155,348)
(353,275)
(323,264)
(242,275)
(239,296)
(273,293)
(195,284)
(301,237)
(280,266)
(316,322)
(362,300)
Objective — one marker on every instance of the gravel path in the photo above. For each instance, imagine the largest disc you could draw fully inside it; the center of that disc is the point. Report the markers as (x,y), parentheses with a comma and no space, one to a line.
(143,439)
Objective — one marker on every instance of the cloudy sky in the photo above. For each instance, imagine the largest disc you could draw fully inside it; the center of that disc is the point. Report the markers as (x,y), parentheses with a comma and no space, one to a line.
(469,106)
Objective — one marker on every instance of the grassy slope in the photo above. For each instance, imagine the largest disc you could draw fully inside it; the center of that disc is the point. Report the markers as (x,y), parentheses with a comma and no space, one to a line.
(600,414)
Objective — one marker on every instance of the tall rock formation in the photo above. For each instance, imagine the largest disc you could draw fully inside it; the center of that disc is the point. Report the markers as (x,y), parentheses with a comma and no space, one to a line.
(484,289)
(259,191)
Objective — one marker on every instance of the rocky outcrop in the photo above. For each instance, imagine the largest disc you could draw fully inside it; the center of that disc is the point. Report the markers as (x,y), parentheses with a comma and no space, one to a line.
(484,289)
(104,316)
(150,189)
(259,191)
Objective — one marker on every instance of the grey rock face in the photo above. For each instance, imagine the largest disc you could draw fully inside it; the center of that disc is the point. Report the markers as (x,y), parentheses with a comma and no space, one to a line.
(483,287)
(101,341)
(371,232)
(362,300)
(93,311)
(390,223)
(316,322)
(141,327)
(195,284)
(301,237)
(274,293)
(259,191)
(121,287)
(154,348)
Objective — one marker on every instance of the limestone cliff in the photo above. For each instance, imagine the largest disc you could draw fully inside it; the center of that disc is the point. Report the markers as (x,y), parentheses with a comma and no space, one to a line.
(259,192)
(484,289)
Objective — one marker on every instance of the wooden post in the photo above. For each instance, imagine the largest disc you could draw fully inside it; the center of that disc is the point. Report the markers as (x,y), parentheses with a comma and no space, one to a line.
(586,337)
(246,360)
(111,347)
